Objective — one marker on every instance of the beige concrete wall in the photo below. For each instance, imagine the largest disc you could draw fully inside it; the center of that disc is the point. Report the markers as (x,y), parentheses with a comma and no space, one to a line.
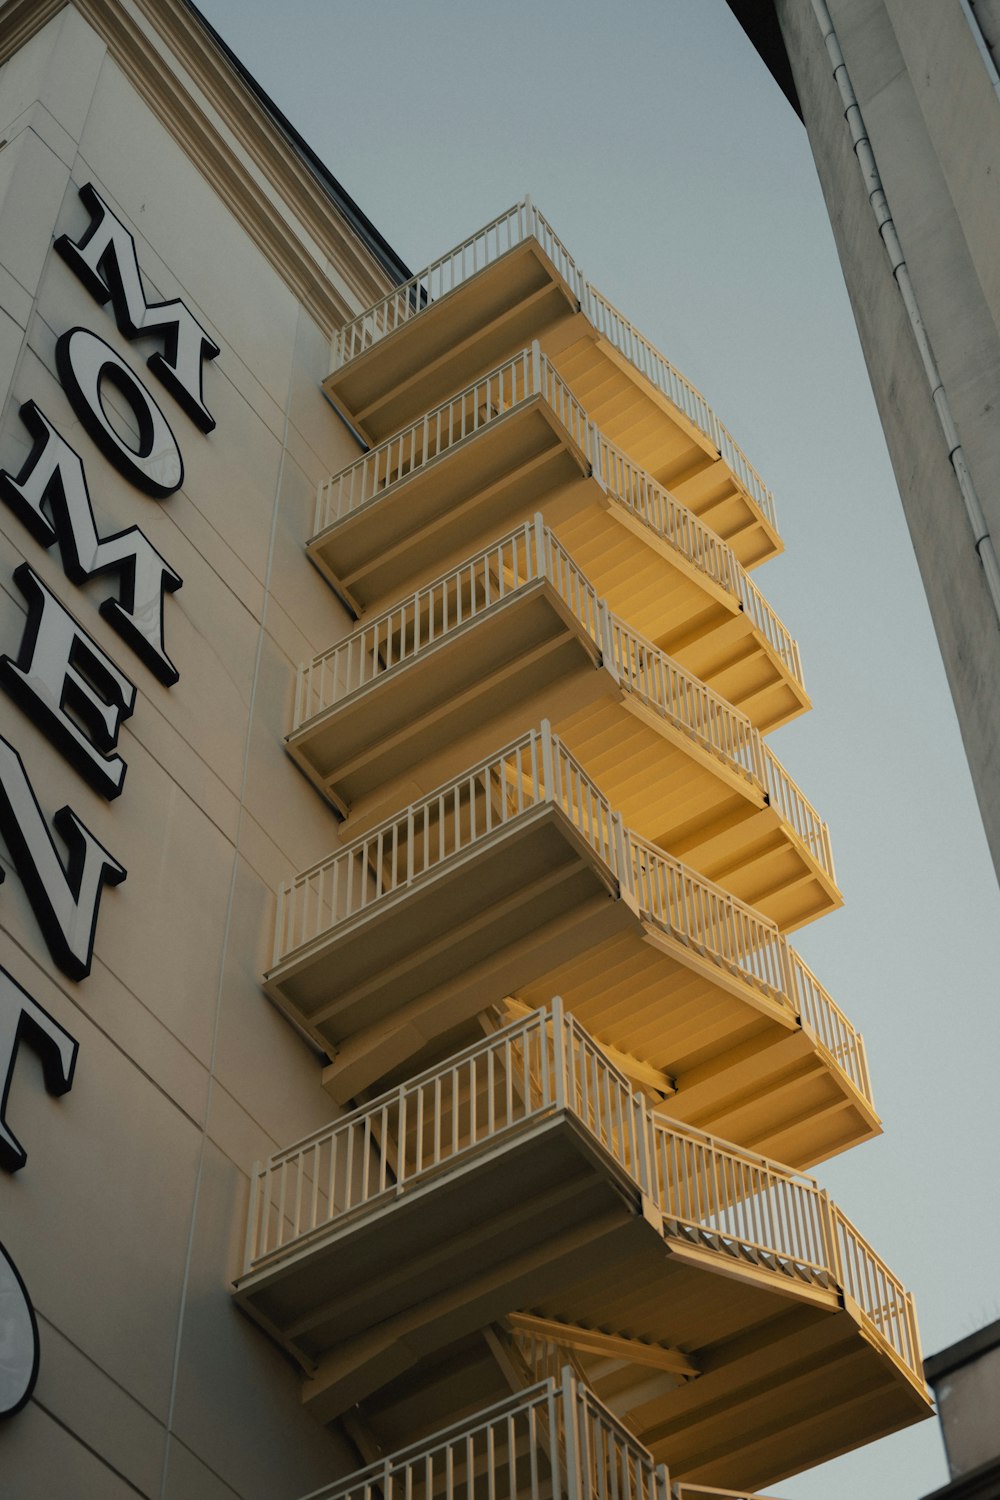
(127,1221)
(910,61)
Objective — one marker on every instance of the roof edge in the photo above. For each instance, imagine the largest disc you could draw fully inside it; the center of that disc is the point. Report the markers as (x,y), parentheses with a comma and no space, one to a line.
(759,19)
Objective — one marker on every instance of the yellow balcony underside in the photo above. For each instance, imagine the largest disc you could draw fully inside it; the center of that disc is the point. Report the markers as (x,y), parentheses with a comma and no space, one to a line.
(517,299)
(525,461)
(528,657)
(536,912)
(548,1224)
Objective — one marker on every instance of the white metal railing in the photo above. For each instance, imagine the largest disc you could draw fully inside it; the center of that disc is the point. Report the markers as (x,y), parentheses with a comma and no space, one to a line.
(705,918)
(723,1198)
(447,1114)
(879,1293)
(756,607)
(715,924)
(487,245)
(423,619)
(741,1204)
(537,767)
(663,513)
(462,813)
(817,1008)
(797,811)
(684,699)
(553,1441)
(527,375)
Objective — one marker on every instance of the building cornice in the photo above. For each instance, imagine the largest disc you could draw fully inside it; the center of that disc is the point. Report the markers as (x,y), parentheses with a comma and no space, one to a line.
(136,32)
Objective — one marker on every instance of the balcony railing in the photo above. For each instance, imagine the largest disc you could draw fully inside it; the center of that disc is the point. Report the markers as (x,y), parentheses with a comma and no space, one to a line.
(520,223)
(443,1116)
(796,810)
(704,917)
(553,1441)
(459,816)
(497,393)
(427,617)
(724,1199)
(818,1009)
(536,769)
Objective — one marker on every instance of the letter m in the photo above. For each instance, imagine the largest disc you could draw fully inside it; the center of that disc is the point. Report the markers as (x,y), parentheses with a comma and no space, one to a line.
(106,263)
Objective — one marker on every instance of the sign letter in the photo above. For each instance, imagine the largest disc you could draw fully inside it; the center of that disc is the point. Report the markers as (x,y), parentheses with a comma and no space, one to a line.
(85,364)
(23,1019)
(69,687)
(106,263)
(65,897)
(53,476)
(19,1365)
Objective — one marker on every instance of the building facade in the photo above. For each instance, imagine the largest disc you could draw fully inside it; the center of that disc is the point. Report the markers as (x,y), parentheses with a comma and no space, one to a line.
(405,1062)
(900,99)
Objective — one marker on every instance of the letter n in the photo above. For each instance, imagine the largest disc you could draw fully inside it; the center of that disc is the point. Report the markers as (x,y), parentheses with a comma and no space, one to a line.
(64,895)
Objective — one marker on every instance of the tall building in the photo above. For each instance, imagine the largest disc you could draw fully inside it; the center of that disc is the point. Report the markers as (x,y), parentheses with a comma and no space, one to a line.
(408,1082)
(900,100)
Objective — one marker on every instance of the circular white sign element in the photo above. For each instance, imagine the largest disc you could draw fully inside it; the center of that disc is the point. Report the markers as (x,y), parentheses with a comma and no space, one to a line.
(18,1339)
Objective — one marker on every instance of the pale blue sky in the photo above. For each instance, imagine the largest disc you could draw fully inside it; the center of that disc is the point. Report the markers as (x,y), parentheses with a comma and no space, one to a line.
(678,177)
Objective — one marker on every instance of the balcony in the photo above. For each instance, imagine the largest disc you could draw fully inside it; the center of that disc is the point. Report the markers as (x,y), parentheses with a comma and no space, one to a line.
(513,282)
(517,632)
(750,1330)
(517,441)
(516,879)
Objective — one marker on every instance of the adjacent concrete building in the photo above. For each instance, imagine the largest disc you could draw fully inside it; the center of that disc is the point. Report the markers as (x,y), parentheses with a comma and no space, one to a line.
(966,1382)
(900,99)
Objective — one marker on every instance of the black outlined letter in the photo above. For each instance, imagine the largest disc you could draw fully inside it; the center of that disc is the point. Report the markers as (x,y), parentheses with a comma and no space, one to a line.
(106,263)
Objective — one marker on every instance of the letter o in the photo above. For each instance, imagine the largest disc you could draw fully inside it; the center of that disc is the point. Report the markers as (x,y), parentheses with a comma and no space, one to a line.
(18,1339)
(84,361)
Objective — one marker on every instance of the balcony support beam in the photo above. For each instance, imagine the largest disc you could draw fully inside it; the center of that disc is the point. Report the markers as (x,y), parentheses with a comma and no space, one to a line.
(608,1345)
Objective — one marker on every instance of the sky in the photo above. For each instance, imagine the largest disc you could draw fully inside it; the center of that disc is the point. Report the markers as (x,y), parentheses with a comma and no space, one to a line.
(680,180)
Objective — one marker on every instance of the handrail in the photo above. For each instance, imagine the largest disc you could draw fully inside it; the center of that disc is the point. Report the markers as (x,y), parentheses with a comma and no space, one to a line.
(721,1197)
(818,1009)
(678,695)
(554,1441)
(879,1293)
(733,934)
(653,504)
(522,222)
(797,811)
(740,1203)
(527,375)
(405,849)
(704,917)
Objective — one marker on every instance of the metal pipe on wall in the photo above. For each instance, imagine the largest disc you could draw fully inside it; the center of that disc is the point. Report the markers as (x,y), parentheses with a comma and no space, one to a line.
(983,543)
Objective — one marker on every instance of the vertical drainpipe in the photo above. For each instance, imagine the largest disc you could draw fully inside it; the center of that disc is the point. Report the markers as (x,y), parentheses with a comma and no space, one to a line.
(983,542)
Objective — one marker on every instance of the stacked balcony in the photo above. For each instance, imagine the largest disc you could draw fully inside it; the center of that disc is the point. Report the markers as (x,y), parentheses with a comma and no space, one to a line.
(517,440)
(515,281)
(526,1184)
(545,739)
